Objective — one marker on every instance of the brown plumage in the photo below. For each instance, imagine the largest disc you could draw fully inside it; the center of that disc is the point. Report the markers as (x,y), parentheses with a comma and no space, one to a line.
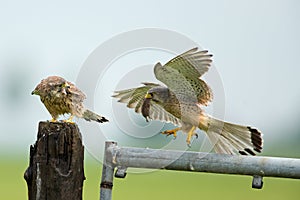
(63,97)
(180,102)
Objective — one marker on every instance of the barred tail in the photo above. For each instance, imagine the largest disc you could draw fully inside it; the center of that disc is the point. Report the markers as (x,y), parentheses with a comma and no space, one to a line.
(232,138)
(89,115)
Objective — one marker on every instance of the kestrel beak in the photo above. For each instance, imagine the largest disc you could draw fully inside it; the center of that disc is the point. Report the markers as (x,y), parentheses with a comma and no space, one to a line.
(34,92)
(148,96)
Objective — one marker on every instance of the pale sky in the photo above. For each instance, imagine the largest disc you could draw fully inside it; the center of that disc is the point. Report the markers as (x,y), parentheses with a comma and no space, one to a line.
(255,46)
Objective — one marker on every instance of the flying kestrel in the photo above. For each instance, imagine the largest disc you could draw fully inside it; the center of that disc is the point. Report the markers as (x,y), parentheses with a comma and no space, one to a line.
(63,97)
(180,103)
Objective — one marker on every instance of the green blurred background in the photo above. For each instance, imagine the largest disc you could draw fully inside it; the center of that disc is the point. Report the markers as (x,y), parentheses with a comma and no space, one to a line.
(157,184)
(256,48)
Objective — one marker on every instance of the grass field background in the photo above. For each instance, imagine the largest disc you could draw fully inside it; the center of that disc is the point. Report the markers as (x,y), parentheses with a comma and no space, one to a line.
(156,185)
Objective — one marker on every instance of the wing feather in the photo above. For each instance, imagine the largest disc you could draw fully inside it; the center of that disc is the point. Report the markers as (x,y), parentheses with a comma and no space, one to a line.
(76,94)
(182,75)
(134,98)
(191,63)
(159,113)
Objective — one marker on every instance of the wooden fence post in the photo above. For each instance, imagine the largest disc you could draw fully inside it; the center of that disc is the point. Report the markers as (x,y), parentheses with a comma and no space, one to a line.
(55,169)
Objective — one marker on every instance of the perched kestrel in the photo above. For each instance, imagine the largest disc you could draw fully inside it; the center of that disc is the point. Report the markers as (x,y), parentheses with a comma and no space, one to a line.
(63,97)
(180,103)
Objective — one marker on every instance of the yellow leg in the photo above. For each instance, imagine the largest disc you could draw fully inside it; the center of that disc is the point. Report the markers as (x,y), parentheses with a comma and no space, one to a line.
(53,120)
(190,134)
(70,120)
(171,132)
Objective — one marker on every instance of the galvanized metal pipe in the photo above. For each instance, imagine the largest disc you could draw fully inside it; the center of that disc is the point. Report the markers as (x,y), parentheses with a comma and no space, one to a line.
(256,166)
(205,162)
(106,184)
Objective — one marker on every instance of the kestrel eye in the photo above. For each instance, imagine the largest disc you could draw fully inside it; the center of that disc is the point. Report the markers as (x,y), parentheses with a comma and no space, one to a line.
(63,85)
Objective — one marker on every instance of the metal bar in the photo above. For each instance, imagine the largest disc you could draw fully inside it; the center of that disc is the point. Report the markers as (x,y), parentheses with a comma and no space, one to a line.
(205,162)
(107,173)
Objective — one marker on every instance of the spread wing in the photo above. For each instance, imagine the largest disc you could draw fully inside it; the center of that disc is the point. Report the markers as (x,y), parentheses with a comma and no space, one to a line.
(182,75)
(134,98)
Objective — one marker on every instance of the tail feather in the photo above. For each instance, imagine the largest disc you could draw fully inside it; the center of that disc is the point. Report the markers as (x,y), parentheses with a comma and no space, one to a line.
(232,138)
(89,115)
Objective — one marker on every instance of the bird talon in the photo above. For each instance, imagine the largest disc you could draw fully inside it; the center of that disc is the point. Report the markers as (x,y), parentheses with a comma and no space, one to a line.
(189,136)
(53,120)
(171,132)
(70,120)
(168,133)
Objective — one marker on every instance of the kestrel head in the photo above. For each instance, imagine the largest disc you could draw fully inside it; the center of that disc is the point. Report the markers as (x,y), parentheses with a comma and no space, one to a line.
(51,85)
(158,94)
